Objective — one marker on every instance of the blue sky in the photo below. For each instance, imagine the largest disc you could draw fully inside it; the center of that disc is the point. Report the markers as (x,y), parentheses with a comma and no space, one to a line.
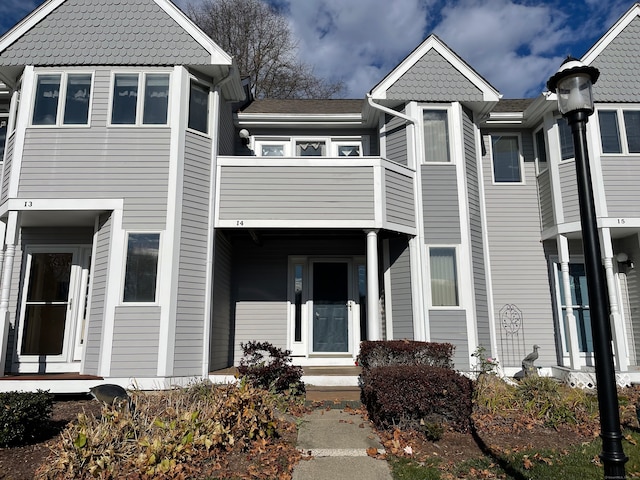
(515,45)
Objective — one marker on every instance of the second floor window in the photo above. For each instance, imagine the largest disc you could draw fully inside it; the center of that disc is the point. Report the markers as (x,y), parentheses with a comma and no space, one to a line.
(140,99)
(619,131)
(566,139)
(506,159)
(3,134)
(436,136)
(199,108)
(73,88)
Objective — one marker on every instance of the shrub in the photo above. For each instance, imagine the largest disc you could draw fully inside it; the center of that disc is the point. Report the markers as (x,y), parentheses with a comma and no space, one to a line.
(270,368)
(405,352)
(165,436)
(417,396)
(22,416)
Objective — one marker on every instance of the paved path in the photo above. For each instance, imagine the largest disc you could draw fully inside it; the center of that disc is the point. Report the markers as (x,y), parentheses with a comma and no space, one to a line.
(338,442)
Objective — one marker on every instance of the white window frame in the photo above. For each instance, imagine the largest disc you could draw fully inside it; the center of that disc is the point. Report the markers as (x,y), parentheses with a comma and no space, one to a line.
(142,75)
(536,151)
(156,301)
(456,250)
(289,143)
(622,130)
(211,88)
(59,123)
(520,156)
(450,133)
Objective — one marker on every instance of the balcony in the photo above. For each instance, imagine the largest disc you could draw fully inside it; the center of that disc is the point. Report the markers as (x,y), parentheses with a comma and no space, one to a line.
(285,192)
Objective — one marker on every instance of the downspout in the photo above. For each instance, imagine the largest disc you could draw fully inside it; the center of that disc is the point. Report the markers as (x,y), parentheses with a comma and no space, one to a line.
(390,111)
(417,291)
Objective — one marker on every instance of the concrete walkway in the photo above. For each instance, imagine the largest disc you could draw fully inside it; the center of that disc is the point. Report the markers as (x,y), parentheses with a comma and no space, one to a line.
(338,442)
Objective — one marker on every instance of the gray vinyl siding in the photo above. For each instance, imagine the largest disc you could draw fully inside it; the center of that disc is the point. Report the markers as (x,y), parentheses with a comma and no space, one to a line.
(400,207)
(569,191)
(395,135)
(99,281)
(433,78)
(136,335)
(546,201)
(260,276)
(440,204)
(6,172)
(221,348)
(450,326)
(296,193)
(116,33)
(226,133)
(101,162)
(476,233)
(401,299)
(194,232)
(519,272)
(30,237)
(621,177)
(619,65)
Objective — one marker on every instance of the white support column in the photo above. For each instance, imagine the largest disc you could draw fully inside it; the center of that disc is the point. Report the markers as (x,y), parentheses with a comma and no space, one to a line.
(5,289)
(621,353)
(571,329)
(373,290)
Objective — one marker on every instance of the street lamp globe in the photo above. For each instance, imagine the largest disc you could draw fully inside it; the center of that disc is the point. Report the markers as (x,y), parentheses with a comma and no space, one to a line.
(572,83)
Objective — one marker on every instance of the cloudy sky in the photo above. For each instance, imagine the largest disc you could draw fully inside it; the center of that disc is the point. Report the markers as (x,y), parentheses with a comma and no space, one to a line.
(516,45)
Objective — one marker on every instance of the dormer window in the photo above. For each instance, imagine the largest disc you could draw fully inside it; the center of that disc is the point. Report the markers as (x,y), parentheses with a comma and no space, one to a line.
(310,149)
(74,110)
(140,99)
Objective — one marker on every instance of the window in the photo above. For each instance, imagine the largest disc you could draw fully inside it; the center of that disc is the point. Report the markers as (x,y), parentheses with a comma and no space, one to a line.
(541,151)
(566,139)
(506,159)
(74,110)
(444,276)
(348,150)
(619,131)
(3,135)
(130,108)
(272,150)
(199,108)
(436,136)
(141,270)
(310,149)
(609,131)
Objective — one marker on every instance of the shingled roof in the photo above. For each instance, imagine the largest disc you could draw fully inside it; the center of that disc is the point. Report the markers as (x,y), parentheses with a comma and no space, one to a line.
(305,107)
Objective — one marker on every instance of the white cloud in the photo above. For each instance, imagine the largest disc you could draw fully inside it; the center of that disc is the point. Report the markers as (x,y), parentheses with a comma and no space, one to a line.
(357,42)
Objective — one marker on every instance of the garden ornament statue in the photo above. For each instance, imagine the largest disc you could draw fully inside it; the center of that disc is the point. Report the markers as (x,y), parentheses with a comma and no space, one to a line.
(111,394)
(528,367)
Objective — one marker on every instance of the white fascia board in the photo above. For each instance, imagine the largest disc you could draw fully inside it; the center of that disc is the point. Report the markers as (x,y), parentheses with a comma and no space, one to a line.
(248,119)
(611,34)
(28,23)
(218,56)
(489,93)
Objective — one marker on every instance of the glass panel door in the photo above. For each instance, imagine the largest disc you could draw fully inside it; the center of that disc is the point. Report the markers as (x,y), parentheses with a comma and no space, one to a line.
(46,304)
(330,306)
(580,304)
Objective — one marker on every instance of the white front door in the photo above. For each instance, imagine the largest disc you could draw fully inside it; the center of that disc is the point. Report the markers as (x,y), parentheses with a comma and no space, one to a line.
(53,309)
(325,306)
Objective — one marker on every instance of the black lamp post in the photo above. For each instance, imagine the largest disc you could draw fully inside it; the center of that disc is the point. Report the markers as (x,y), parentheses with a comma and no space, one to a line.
(573,85)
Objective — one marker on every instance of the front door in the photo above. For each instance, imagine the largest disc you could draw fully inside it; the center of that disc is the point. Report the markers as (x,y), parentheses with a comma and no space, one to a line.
(580,307)
(331,306)
(53,309)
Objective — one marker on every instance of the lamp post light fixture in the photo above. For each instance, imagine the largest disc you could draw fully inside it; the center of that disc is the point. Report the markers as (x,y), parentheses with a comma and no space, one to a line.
(572,83)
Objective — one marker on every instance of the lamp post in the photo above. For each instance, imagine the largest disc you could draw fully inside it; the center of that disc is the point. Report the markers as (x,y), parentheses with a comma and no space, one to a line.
(573,85)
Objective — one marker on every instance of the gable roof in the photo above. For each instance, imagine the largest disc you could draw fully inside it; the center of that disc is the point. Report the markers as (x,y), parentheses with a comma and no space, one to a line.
(433,72)
(110,32)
